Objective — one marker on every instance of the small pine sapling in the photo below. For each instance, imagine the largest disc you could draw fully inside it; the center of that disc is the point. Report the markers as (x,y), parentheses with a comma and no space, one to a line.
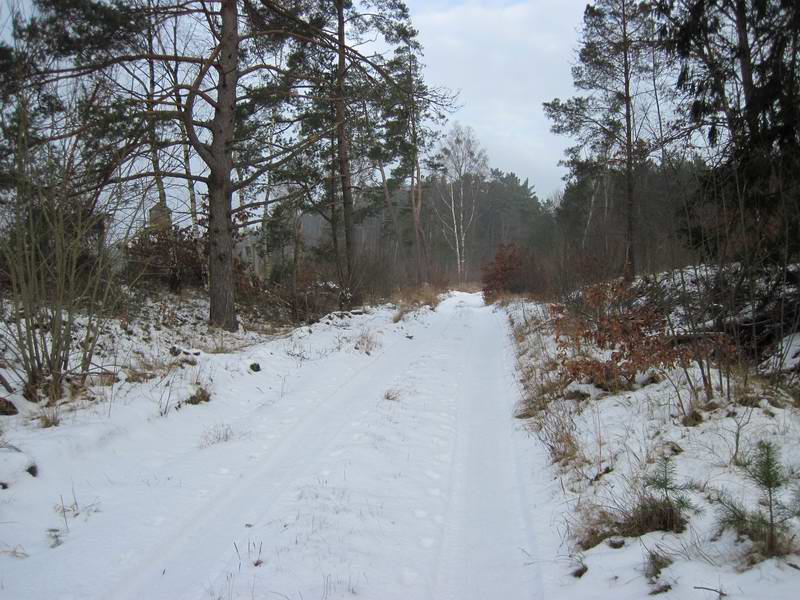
(672,501)
(767,530)
(767,472)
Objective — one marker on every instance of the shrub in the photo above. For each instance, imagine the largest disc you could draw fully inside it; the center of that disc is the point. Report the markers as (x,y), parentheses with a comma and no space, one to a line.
(171,258)
(201,395)
(55,257)
(619,319)
(505,274)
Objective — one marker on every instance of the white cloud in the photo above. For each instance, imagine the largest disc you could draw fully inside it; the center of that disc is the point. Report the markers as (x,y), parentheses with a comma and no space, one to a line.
(505,58)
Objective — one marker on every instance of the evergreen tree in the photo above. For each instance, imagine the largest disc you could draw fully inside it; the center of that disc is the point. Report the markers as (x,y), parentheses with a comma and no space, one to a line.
(611,70)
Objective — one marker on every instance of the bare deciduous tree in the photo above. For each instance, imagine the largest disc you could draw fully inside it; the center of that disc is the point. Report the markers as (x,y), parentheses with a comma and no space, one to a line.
(461,166)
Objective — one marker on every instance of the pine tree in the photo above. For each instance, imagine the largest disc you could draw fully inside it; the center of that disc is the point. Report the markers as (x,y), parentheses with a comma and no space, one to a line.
(611,69)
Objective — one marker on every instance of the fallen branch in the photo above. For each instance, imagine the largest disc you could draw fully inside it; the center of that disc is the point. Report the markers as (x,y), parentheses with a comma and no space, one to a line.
(720,593)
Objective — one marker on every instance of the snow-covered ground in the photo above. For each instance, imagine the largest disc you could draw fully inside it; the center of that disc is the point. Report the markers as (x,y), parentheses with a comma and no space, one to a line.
(361,457)
(618,441)
(357,457)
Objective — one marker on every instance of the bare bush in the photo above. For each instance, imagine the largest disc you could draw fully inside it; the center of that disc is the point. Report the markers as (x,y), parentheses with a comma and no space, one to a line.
(58,268)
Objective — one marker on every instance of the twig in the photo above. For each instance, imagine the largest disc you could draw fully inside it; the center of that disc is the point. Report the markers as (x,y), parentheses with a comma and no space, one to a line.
(720,593)
(64,513)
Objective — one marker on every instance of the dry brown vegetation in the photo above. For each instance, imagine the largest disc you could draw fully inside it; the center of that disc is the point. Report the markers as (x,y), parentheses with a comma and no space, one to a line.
(200,396)
(410,299)
(613,340)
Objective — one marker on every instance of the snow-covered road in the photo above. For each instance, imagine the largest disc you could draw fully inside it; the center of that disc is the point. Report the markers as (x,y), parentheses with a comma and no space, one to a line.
(398,474)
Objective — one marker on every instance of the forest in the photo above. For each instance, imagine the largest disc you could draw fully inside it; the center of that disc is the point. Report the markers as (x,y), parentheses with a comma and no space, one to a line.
(124,124)
(265,200)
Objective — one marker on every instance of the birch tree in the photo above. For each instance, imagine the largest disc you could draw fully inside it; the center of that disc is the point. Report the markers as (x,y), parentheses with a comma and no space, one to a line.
(461,166)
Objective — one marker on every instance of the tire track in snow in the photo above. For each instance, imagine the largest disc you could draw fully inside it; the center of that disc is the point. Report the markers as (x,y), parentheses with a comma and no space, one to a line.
(487,546)
(201,546)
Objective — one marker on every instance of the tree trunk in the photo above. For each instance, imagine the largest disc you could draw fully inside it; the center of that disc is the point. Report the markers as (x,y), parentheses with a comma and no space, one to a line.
(629,268)
(343,146)
(335,222)
(746,66)
(187,163)
(151,127)
(298,234)
(220,229)
(416,211)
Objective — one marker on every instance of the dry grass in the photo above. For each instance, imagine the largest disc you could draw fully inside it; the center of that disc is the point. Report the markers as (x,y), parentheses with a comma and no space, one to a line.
(200,396)
(50,416)
(149,366)
(556,429)
(217,341)
(472,287)
(409,300)
(540,388)
(138,376)
(216,434)
(654,563)
(106,379)
(645,513)
(366,342)
(507,298)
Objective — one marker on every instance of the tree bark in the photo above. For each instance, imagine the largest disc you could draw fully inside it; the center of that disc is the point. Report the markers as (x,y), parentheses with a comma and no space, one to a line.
(746,66)
(334,220)
(220,193)
(416,211)
(344,147)
(629,268)
(151,127)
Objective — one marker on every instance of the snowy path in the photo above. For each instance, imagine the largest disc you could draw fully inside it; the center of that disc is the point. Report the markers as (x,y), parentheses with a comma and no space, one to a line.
(333,490)
(486,546)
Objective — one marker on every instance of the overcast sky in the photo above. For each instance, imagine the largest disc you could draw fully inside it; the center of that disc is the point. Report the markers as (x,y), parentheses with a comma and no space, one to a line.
(505,57)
